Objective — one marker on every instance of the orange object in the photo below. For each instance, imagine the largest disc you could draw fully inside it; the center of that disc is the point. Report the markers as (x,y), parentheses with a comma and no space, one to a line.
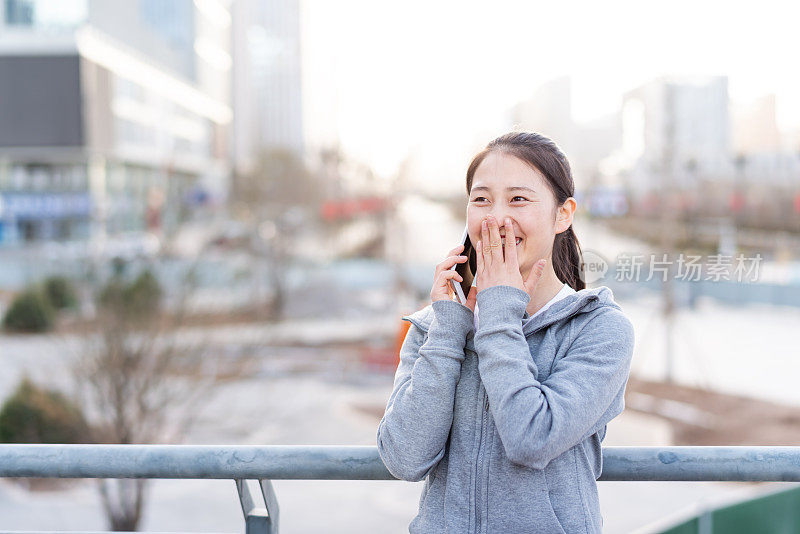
(401,336)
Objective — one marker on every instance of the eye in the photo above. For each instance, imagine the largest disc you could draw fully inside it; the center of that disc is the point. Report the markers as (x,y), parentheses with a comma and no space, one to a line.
(479,199)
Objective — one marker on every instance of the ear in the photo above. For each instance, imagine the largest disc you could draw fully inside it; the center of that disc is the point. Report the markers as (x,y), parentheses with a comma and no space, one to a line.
(564,214)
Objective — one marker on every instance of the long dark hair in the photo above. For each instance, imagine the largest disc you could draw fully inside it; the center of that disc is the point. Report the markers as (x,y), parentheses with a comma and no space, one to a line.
(545,156)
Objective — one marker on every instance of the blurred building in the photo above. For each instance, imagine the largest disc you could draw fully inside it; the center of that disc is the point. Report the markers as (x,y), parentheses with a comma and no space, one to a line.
(762,155)
(676,129)
(267,98)
(114,116)
(755,127)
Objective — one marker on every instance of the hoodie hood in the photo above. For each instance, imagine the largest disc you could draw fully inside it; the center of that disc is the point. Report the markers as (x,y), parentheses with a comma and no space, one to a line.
(582,301)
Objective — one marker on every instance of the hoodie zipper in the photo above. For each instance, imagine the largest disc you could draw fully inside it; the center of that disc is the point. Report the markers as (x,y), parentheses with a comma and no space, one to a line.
(479,465)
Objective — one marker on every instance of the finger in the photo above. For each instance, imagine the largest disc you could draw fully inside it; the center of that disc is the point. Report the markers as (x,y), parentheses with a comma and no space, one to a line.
(486,250)
(472,298)
(443,285)
(447,263)
(456,250)
(444,276)
(496,244)
(479,256)
(535,275)
(511,246)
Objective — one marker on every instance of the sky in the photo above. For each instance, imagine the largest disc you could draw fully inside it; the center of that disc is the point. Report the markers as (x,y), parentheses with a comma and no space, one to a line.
(394,78)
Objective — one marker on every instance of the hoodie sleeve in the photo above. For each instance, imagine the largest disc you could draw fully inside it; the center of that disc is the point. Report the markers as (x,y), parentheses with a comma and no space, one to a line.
(538,421)
(416,424)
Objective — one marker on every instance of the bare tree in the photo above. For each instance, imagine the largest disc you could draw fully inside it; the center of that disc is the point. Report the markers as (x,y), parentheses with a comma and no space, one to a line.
(142,378)
(275,198)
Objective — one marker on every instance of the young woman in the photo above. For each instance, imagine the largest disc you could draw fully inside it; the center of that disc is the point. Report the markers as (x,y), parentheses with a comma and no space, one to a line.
(501,405)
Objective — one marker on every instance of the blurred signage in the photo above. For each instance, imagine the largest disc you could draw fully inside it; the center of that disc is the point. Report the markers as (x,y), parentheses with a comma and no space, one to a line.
(343,209)
(607,202)
(44,205)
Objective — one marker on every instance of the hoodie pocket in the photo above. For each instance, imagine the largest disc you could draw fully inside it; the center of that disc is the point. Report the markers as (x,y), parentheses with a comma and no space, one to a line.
(563,492)
(554,518)
(518,501)
(427,487)
(424,495)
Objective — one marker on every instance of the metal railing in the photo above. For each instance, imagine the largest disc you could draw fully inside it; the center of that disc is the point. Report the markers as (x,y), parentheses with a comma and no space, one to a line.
(272,462)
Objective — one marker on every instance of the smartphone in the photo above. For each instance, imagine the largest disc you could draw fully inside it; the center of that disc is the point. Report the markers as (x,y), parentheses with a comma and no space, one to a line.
(465,269)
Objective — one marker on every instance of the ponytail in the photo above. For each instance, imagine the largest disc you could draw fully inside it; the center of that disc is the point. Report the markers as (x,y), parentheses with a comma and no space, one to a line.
(567,261)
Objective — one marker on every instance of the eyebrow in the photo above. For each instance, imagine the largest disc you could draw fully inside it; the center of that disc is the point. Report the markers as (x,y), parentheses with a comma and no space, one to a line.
(514,188)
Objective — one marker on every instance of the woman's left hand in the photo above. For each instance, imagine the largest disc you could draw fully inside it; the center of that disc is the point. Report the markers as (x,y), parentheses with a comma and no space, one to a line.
(493,270)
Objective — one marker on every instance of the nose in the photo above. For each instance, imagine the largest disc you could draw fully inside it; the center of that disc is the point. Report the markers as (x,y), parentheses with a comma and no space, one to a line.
(500,215)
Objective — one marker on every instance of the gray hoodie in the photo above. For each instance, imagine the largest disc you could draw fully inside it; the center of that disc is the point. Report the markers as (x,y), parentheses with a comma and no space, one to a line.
(505,424)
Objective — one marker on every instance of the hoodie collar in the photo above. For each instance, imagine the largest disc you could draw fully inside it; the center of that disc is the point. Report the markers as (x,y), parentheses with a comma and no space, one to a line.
(582,301)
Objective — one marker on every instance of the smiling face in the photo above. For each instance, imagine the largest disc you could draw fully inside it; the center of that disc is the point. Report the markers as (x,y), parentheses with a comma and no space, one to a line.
(532,209)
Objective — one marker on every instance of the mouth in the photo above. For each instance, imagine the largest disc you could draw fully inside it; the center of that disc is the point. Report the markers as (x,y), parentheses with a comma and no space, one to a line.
(503,248)
(503,239)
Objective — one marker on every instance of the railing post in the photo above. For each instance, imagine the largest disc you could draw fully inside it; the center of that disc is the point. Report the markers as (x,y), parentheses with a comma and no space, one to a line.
(271,501)
(257,519)
(705,522)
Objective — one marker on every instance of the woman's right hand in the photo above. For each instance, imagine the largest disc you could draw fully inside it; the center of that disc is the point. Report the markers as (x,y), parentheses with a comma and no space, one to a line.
(442,290)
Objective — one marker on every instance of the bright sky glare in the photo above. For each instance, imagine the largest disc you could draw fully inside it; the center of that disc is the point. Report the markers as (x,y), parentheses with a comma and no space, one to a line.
(397,77)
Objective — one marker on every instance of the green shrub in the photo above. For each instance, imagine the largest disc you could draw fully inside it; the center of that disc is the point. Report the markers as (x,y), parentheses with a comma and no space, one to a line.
(144,294)
(136,300)
(36,415)
(30,311)
(61,292)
